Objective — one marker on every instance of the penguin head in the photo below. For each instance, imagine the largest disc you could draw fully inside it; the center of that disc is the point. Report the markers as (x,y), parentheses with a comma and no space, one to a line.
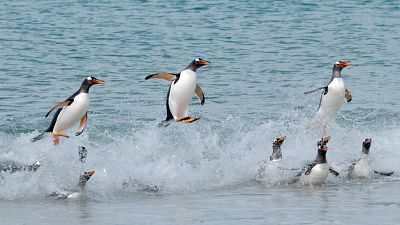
(92,81)
(197,63)
(366,145)
(341,64)
(85,176)
(322,143)
(279,140)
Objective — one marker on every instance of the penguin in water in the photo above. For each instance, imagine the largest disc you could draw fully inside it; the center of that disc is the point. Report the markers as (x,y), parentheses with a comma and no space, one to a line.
(315,173)
(10,166)
(71,111)
(360,168)
(78,192)
(180,91)
(332,96)
(271,171)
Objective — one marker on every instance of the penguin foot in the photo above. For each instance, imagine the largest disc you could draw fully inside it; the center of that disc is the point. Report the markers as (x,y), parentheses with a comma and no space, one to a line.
(188,119)
(61,134)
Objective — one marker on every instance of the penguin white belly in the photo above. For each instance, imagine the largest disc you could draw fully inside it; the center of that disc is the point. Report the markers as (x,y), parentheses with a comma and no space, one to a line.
(333,100)
(317,176)
(181,94)
(361,169)
(75,196)
(72,114)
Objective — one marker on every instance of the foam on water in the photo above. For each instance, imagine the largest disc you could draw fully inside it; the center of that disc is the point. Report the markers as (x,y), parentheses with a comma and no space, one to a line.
(181,158)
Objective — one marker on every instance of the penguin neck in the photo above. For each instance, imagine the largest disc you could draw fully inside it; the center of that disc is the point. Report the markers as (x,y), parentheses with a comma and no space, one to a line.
(192,66)
(336,72)
(365,151)
(321,157)
(84,87)
(81,184)
(276,152)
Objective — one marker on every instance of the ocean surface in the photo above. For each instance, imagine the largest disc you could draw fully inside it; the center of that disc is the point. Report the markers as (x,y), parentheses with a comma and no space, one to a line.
(263,54)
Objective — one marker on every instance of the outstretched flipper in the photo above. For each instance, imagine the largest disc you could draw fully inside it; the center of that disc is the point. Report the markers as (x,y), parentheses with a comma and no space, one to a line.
(347,95)
(60,105)
(165,76)
(388,174)
(82,125)
(200,94)
(334,172)
(320,88)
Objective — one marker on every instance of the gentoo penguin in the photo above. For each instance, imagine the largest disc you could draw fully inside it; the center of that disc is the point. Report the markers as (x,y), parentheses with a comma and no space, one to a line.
(78,192)
(11,166)
(71,111)
(315,173)
(361,168)
(82,153)
(181,90)
(271,169)
(332,95)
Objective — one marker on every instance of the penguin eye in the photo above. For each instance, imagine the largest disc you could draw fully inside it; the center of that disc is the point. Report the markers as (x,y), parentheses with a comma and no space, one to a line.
(197,60)
(89,78)
(337,63)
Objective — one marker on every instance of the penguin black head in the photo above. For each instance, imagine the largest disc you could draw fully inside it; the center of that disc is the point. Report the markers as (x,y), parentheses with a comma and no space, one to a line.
(276,148)
(322,143)
(339,65)
(197,63)
(366,145)
(88,82)
(85,176)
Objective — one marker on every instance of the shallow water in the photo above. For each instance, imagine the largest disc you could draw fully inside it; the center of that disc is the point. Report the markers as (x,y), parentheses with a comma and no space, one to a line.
(264,56)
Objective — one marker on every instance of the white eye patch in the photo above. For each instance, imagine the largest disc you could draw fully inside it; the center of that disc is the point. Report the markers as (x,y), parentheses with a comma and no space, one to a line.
(88,78)
(337,63)
(197,59)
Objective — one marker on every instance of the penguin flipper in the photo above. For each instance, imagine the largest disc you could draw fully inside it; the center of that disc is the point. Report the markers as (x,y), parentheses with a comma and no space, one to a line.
(82,125)
(388,174)
(200,94)
(347,95)
(334,172)
(309,92)
(60,105)
(162,75)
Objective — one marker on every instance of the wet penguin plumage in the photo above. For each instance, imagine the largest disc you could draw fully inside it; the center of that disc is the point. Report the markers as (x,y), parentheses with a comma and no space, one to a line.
(315,173)
(332,95)
(78,192)
(181,90)
(71,111)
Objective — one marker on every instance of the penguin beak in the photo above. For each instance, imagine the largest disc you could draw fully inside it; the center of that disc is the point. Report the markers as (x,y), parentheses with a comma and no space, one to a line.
(325,148)
(281,139)
(203,62)
(97,81)
(90,173)
(326,139)
(344,64)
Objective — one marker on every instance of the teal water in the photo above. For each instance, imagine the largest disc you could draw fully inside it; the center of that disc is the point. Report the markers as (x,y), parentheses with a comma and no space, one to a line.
(264,55)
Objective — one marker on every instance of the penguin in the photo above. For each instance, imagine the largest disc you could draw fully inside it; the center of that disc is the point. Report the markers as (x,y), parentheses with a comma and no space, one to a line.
(271,170)
(71,111)
(82,154)
(182,86)
(315,173)
(78,192)
(332,95)
(361,168)
(11,166)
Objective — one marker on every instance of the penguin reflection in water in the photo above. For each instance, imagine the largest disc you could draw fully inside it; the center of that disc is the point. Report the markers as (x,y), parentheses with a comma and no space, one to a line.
(71,111)
(315,173)
(331,98)
(361,168)
(78,192)
(181,90)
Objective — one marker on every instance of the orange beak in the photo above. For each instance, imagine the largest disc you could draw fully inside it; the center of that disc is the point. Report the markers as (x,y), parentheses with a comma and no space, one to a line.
(281,139)
(203,62)
(325,148)
(90,173)
(97,81)
(344,64)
